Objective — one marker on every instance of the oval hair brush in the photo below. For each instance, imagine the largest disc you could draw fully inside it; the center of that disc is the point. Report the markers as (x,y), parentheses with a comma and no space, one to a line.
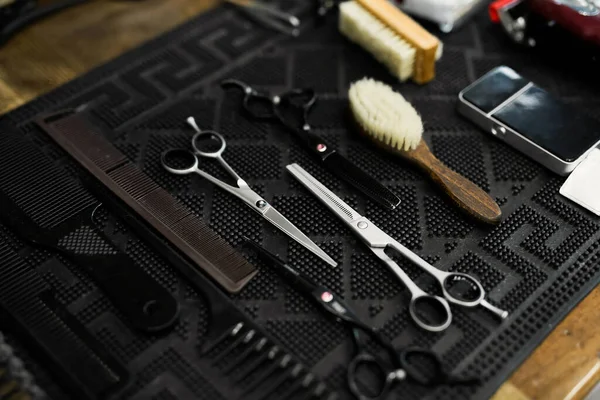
(391,123)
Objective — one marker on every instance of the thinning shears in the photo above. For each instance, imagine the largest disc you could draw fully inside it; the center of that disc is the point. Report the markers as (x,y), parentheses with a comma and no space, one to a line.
(211,144)
(396,366)
(428,311)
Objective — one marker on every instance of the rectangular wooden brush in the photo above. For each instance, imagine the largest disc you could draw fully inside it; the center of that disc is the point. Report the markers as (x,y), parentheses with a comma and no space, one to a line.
(175,223)
(394,39)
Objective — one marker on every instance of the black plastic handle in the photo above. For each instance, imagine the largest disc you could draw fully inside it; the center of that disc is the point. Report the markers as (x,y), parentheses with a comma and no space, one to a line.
(361,180)
(145,304)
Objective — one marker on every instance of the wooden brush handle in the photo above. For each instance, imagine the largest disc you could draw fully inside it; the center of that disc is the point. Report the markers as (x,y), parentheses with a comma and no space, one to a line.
(467,195)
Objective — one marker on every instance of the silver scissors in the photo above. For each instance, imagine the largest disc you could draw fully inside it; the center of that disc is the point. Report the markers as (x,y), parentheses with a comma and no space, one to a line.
(428,311)
(211,144)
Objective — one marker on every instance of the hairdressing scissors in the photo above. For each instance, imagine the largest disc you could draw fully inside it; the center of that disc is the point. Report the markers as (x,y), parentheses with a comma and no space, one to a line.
(428,311)
(211,144)
(292,109)
(400,364)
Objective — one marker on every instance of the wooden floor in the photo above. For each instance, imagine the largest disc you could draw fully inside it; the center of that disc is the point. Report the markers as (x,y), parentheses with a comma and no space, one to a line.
(64,46)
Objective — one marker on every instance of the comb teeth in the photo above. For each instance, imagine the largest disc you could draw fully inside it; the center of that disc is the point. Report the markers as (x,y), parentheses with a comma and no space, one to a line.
(175,222)
(32,185)
(261,368)
(133,181)
(165,207)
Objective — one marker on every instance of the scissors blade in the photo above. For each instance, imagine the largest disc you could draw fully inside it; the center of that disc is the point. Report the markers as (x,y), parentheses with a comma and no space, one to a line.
(330,199)
(281,222)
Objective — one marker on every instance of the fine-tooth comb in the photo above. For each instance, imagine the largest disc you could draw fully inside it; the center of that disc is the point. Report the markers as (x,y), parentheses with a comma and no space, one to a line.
(176,223)
(43,205)
(28,305)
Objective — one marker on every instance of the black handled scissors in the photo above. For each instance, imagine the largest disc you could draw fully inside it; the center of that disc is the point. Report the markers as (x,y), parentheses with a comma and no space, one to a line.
(292,109)
(400,364)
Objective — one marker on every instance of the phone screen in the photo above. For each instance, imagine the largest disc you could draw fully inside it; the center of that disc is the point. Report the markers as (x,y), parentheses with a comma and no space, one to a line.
(559,128)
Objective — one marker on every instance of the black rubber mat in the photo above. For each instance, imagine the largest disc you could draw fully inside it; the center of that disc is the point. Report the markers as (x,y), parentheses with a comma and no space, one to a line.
(538,263)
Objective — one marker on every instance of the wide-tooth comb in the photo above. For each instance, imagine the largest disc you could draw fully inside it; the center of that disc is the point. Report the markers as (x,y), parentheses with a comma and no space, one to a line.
(75,356)
(174,221)
(261,368)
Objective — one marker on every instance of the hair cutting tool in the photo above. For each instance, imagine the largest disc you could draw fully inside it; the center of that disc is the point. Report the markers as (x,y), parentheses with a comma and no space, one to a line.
(400,365)
(292,109)
(29,309)
(428,311)
(211,144)
(269,15)
(144,203)
(43,205)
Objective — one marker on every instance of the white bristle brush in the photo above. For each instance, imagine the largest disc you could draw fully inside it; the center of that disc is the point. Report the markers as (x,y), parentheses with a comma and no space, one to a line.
(392,37)
(392,123)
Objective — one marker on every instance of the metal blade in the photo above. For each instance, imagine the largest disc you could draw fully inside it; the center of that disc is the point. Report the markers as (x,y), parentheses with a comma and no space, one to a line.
(274,217)
(335,204)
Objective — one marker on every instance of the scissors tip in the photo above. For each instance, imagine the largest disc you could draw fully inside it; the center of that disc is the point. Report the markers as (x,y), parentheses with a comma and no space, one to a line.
(192,122)
(332,263)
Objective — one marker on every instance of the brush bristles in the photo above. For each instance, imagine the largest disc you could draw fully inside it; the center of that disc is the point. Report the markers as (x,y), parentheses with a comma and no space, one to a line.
(385,115)
(358,25)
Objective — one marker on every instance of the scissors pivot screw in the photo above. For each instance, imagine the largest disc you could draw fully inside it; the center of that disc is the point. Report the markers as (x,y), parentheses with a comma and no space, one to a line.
(276,99)
(321,147)
(306,127)
(261,204)
(362,225)
(399,374)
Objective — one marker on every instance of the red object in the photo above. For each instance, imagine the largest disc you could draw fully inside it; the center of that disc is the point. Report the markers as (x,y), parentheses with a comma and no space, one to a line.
(326,297)
(586,27)
(495,8)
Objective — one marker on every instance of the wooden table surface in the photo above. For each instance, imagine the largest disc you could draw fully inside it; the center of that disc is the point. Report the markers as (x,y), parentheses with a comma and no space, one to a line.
(565,366)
